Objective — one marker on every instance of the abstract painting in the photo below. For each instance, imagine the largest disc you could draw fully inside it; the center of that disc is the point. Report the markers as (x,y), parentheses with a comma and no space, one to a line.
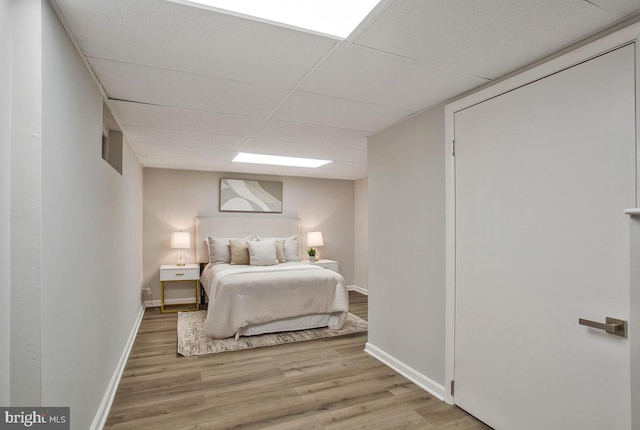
(237,195)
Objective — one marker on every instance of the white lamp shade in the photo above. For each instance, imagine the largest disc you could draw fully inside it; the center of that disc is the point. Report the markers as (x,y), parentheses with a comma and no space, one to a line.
(180,240)
(314,238)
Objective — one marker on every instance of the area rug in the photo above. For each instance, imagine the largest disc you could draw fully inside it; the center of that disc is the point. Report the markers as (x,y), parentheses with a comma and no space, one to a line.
(191,340)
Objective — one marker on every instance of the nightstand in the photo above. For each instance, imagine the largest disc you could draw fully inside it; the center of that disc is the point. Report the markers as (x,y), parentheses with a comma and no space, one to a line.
(327,264)
(173,273)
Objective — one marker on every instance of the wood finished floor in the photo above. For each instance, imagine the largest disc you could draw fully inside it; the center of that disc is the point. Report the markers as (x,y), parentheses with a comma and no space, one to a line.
(319,384)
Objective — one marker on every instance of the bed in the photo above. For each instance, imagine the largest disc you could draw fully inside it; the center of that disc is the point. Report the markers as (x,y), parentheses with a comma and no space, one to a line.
(262,295)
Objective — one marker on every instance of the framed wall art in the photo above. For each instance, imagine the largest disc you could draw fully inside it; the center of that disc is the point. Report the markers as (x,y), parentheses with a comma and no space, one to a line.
(239,195)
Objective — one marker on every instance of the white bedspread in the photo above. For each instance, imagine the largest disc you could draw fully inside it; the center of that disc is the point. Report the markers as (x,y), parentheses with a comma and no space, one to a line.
(240,296)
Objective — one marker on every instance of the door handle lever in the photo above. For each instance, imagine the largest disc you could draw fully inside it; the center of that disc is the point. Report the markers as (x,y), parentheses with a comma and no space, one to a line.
(612,326)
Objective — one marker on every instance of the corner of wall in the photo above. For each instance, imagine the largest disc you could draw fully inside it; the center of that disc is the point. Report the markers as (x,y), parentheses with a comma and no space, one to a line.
(406,199)
(105,406)
(361,233)
(421,380)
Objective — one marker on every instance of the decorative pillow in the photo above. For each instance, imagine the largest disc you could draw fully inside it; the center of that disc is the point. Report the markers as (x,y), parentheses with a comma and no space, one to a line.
(262,253)
(239,251)
(291,248)
(219,250)
(282,258)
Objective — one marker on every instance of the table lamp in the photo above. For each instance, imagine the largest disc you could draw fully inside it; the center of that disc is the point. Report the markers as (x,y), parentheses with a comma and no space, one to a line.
(180,240)
(314,238)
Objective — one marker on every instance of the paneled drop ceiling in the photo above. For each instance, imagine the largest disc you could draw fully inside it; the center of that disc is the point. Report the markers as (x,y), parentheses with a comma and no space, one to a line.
(192,87)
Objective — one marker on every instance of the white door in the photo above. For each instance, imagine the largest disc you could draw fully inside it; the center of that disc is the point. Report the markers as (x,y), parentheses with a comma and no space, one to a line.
(543,175)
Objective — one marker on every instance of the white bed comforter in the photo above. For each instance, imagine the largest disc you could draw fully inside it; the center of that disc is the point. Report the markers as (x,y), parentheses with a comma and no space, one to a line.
(240,296)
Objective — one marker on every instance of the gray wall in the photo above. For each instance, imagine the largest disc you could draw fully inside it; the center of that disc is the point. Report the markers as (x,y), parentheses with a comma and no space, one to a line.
(407,242)
(173,198)
(85,237)
(5,153)
(361,233)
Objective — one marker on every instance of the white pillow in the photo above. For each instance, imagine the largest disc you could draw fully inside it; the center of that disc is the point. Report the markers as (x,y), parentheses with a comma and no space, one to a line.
(262,253)
(219,251)
(290,246)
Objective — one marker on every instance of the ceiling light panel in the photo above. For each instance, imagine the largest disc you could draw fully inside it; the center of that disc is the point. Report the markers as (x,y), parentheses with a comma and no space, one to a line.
(337,18)
(294,149)
(276,160)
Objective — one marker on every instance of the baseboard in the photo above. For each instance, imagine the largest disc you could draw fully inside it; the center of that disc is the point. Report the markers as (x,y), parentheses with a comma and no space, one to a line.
(105,406)
(358,289)
(408,372)
(156,303)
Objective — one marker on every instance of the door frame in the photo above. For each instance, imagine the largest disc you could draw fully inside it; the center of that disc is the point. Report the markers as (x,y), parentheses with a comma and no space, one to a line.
(623,34)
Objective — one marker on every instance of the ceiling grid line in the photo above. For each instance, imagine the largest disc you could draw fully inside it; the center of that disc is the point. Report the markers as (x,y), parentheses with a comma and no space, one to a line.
(291,91)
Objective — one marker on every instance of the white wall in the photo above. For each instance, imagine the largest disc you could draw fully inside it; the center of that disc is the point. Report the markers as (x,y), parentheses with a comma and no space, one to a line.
(634,314)
(5,199)
(173,198)
(76,227)
(91,236)
(634,321)
(361,233)
(25,206)
(407,243)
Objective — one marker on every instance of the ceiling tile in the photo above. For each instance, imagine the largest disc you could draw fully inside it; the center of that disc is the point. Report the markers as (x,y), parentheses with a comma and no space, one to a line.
(621,8)
(162,117)
(312,134)
(335,112)
(372,76)
(143,84)
(352,170)
(195,86)
(173,36)
(182,151)
(487,38)
(184,163)
(184,138)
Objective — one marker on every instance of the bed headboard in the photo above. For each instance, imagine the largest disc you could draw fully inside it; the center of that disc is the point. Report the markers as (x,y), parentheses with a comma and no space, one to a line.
(241,225)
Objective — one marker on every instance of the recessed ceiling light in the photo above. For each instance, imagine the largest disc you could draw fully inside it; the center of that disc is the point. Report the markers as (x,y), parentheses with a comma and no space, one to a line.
(276,160)
(330,17)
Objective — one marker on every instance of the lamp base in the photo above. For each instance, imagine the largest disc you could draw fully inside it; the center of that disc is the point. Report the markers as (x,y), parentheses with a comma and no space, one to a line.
(180,261)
